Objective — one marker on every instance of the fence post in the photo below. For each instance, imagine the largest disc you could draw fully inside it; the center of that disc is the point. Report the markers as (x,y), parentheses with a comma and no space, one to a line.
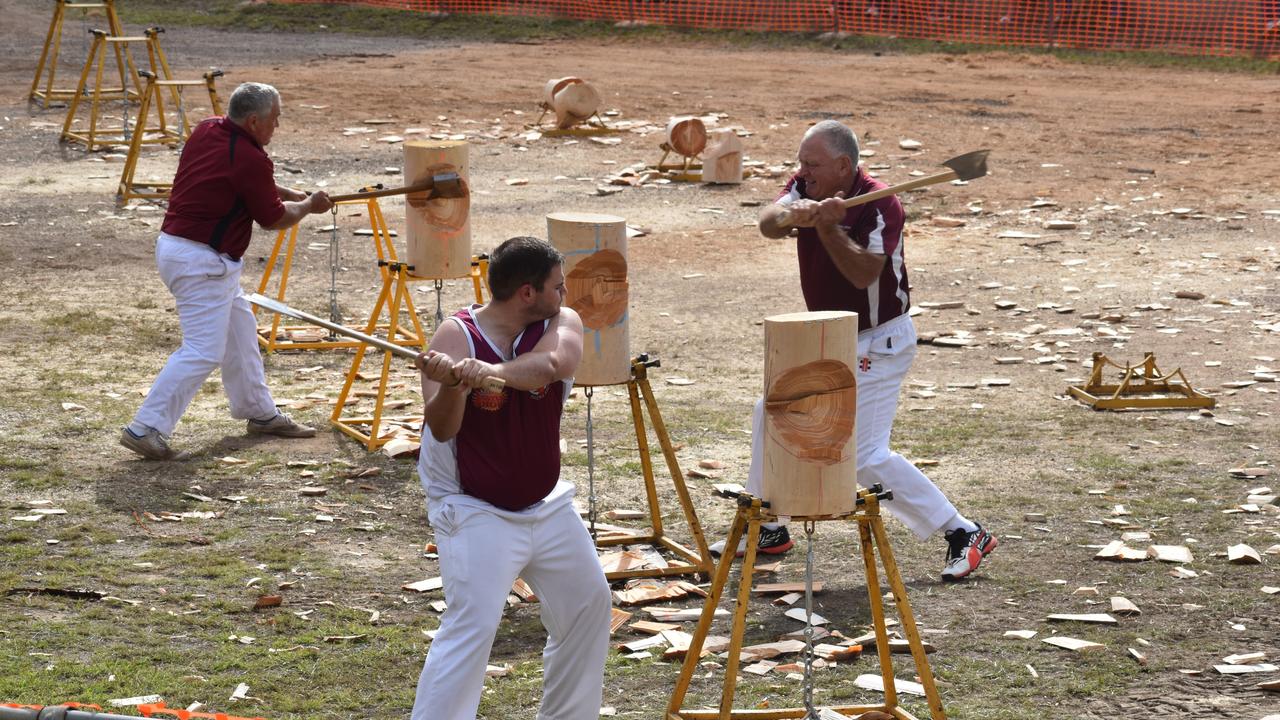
(835,17)
(1053,25)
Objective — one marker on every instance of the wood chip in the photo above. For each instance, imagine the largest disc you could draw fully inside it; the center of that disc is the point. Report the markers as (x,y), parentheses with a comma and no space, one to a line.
(1100,618)
(1242,554)
(1245,669)
(786,587)
(1021,634)
(1245,658)
(1172,553)
(1122,606)
(875,682)
(422,586)
(1073,644)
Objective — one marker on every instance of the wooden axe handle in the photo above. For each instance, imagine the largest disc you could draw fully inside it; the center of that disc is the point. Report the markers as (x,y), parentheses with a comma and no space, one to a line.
(784,218)
(420,186)
(492,383)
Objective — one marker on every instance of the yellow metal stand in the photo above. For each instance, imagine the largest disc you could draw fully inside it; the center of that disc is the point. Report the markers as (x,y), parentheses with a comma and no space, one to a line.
(688,170)
(1141,387)
(96,137)
(697,561)
(53,43)
(394,297)
(130,189)
(593,125)
(750,515)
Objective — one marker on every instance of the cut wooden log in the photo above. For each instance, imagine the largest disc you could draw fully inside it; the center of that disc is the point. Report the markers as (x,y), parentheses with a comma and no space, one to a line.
(596,287)
(686,135)
(810,457)
(554,86)
(574,104)
(722,158)
(438,230)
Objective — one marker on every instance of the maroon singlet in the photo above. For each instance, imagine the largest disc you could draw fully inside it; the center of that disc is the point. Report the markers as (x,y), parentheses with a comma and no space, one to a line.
(508,448)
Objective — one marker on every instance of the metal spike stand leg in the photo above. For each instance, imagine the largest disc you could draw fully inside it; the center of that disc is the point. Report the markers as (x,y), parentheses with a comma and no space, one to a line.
(439,286)
(812,714)
(591,466)
(335,259)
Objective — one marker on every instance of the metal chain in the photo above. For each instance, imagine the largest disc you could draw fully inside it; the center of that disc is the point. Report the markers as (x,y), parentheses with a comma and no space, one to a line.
(811,713)
(335,259)
(591,465)
(439,286)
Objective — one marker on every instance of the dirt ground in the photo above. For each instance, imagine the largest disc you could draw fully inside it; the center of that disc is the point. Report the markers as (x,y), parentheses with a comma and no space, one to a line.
(1170,178)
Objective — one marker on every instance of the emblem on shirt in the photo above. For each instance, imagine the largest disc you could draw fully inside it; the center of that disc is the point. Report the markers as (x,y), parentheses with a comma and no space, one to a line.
(539,393)
(488,400)
(864,364)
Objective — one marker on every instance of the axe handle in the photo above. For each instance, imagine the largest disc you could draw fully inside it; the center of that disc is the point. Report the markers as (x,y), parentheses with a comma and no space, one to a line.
(784,218)
(420,186)
(492,384)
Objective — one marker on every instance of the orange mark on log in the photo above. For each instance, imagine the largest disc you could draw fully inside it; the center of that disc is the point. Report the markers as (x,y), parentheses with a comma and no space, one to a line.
(448,213)
(597,288)
(812,408)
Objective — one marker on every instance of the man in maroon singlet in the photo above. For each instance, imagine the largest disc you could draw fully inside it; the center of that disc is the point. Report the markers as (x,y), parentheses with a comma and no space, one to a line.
(490,466)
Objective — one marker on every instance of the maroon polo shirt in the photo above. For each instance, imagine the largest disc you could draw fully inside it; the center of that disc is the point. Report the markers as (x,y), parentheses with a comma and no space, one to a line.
(225,182)
(508,447)
(876,226)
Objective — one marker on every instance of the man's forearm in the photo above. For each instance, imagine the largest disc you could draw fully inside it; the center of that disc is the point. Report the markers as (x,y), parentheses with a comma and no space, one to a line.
(859,266)
(444,412)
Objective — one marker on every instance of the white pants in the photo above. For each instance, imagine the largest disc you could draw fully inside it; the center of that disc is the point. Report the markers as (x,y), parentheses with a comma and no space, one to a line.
(483,550)
(218,330)
(887,351)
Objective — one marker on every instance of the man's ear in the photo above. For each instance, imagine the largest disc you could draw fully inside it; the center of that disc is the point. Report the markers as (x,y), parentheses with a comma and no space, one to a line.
(527,292)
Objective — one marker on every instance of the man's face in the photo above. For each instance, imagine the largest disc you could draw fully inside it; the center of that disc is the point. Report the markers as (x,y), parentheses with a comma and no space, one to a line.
(550,298)
(824,172)
(261,128)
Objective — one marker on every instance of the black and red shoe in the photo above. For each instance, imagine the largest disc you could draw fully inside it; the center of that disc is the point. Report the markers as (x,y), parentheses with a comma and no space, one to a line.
(965,551)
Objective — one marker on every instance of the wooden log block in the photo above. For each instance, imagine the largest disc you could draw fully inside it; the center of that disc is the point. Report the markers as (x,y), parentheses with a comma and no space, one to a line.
(438,229)
(810,454)
(553,86)
(574,103)
(722,158)
(686,135)
(595,274)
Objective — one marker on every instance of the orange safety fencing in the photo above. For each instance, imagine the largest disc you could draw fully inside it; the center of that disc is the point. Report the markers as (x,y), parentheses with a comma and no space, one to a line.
(1248,28)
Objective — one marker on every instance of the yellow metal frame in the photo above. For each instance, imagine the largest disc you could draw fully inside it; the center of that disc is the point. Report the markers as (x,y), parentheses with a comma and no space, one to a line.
(1142,386)
(269,335)
(130,189)
(690,170)
(874,540)
(98,137)
(53,44)
(696,561)
(367,429)
(593,125)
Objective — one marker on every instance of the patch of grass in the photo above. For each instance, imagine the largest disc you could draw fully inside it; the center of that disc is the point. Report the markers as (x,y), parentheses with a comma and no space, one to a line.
(358,20)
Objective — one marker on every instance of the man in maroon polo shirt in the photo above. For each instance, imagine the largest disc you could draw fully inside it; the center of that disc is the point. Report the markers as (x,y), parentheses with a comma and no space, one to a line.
(490,466)
(225,182)
(853,259)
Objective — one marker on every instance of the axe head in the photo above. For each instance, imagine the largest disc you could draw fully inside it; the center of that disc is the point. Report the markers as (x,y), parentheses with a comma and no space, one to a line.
(969,165)
(447,185)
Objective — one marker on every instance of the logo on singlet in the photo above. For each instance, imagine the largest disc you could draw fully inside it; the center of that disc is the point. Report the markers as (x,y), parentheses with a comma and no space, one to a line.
(539,393)
(487,400)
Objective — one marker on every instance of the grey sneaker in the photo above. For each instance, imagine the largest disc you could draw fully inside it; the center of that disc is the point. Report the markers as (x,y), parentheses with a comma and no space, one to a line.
(152,445)
(281,425)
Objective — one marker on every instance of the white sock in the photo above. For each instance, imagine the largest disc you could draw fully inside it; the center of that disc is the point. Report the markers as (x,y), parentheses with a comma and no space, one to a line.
(771,526)
(960,522)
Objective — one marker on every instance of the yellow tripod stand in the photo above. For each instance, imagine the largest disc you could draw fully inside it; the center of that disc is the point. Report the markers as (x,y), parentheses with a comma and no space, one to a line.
(692,561)
(53,44)
(751,514)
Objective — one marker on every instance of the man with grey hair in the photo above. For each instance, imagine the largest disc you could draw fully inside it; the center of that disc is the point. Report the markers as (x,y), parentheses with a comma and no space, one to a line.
(225,182)
(852,259)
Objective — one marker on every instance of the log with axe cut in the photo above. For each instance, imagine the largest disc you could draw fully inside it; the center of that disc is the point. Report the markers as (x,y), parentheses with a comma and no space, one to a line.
(440,185)
(968,166)
(491,384)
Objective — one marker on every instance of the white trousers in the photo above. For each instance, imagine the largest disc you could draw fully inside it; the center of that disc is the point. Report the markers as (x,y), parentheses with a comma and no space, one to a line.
(884,357)
(218,330)
(483,550)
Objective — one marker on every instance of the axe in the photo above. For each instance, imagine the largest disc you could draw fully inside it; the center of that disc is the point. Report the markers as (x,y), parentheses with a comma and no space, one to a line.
(968,166)
(442,185)
(491,384)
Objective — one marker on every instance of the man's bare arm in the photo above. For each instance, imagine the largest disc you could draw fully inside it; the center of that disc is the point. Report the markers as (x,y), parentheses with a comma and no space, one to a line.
(554,357)
(442,389)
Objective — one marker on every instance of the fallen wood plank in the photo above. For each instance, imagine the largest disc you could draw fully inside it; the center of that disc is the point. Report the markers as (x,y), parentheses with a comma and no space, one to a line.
(1101,618)
(1073,644)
